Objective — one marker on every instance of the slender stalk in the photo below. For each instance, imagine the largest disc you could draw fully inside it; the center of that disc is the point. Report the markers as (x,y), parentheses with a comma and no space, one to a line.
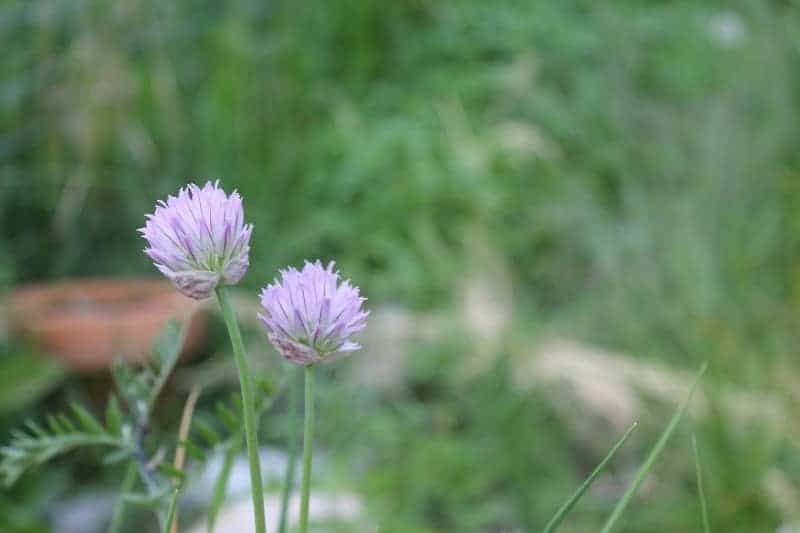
(171,510)
(221,485)
(308,443)
(250,426)
(554,522)
(701,493)
(183,435)
(288,481)
(119,507)
(644,470)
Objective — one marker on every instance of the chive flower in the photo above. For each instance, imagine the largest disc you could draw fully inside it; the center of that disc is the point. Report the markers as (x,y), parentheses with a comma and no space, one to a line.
(198,239)
(311,316)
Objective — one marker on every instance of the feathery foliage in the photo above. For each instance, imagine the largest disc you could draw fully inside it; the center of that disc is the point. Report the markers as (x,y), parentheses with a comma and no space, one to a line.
(122,430)
(35,444)
(226,438)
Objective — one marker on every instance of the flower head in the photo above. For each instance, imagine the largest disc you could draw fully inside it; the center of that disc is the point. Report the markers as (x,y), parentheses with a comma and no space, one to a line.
(311,316)
(198,239)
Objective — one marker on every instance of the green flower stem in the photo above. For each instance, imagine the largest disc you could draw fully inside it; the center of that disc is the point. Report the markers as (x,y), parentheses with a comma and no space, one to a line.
(119,507)
(308,440)
(250,426)
(288,481)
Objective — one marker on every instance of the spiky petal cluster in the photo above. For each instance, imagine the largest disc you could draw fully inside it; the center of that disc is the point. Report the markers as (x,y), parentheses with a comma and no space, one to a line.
(198,239)
(310,316)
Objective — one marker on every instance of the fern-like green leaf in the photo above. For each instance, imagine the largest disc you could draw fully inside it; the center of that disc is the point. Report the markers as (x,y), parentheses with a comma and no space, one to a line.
(140,388)
(170,471)
(207,432)
(232,420)
(36,445)
(87,421)
(193,450)
(167,348)
(132,388)
(117,455)
(154,499)
(113,416)
(230,415)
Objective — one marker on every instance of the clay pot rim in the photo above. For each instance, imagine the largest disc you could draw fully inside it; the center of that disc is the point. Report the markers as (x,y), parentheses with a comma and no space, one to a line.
(53,305)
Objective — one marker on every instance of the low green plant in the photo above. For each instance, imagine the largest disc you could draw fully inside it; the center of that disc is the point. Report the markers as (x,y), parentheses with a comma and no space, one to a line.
(150,480)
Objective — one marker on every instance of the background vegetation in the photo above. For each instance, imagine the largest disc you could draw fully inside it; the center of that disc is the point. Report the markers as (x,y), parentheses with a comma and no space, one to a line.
(632,167)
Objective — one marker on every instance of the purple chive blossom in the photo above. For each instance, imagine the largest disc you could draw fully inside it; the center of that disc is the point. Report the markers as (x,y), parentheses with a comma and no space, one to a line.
(310,316)
(198,239)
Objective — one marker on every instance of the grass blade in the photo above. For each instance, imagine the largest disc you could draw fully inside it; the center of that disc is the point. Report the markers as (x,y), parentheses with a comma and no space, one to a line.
(221,484)
(700,491)
(173,506)
(651,458)
(569,504)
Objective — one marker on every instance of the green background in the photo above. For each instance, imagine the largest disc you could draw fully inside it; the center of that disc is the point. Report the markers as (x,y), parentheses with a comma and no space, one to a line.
(629,169)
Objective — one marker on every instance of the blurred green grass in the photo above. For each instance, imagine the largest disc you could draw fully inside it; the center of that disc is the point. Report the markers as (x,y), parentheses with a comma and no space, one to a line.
(633,165)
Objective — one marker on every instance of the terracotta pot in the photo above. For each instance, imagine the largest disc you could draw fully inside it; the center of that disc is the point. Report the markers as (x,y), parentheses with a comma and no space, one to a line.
(89,323)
